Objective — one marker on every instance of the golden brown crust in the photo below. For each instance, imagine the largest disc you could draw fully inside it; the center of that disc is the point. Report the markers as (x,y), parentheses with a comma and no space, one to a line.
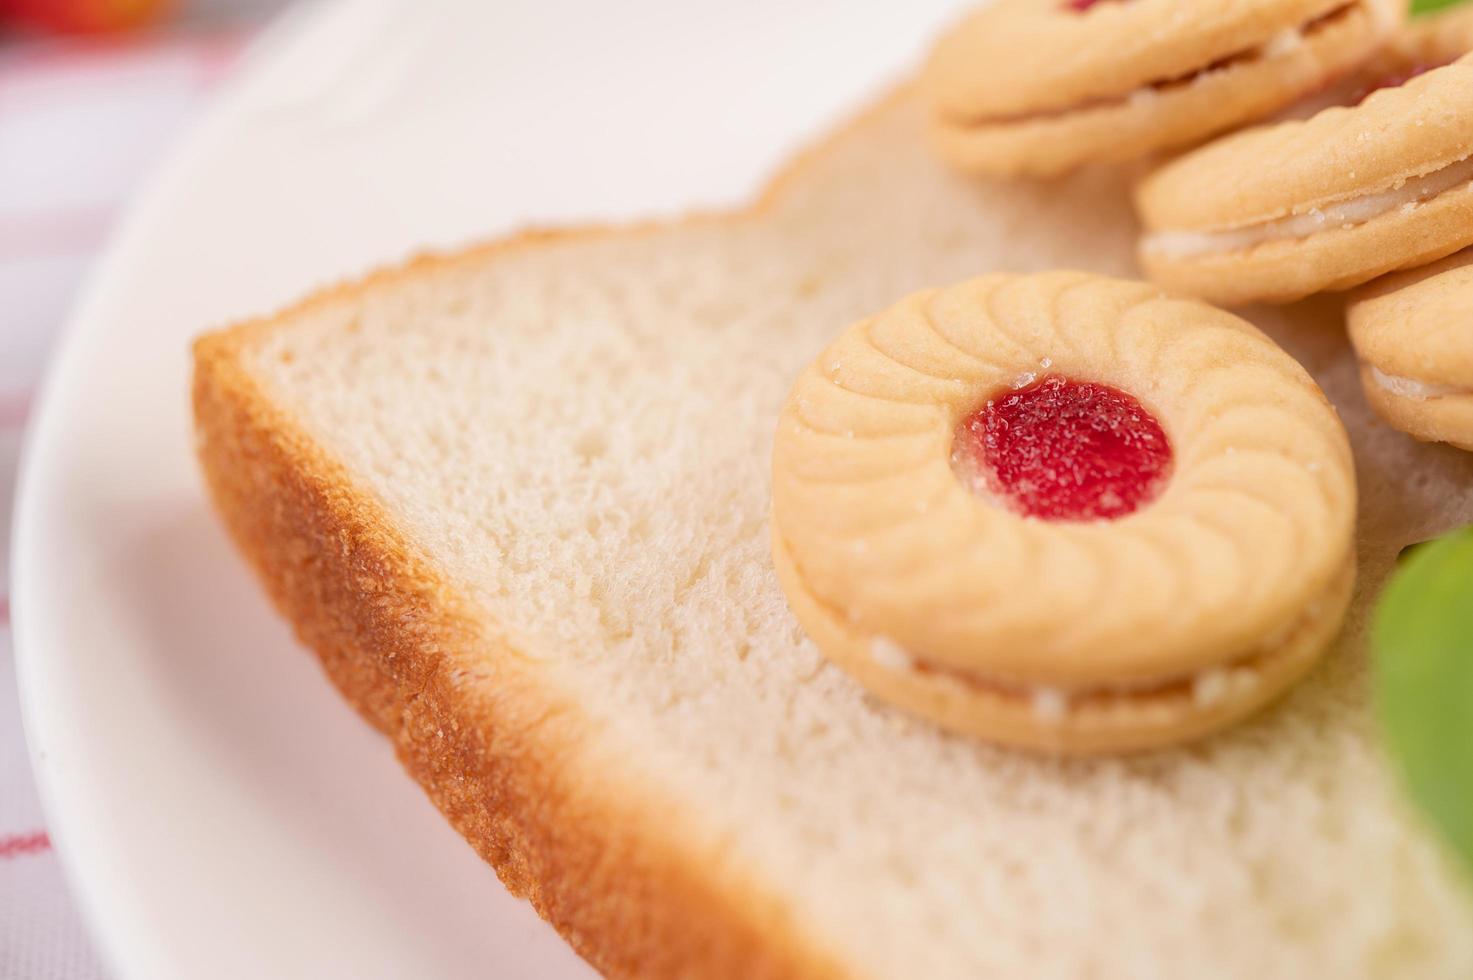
(500,749)
(607,867)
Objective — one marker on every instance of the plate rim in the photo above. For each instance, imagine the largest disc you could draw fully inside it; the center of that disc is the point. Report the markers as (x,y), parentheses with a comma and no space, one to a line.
(88,889)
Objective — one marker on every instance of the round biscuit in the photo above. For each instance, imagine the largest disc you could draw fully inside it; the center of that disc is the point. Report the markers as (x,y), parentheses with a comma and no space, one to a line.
(1304,168)
(1416,329)
(1164,116)
(1327,261)
(1446,419)
(1294,167)
(1418,324)
(1100,723)
(882,548)
(1019,56)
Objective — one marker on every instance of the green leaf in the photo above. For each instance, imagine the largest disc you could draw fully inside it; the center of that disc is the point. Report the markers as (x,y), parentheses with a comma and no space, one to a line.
(1427,6)
(1423,640)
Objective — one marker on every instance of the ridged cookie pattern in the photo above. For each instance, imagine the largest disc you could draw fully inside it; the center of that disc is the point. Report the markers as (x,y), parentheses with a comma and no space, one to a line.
(1254,525)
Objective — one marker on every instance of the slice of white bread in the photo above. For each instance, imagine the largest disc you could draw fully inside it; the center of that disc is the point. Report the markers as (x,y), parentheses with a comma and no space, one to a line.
(517,501)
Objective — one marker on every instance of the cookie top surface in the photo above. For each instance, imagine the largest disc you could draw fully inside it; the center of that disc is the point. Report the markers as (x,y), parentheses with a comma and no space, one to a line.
(1249,526)
(1020,56)
(1419,324)
(1271,172)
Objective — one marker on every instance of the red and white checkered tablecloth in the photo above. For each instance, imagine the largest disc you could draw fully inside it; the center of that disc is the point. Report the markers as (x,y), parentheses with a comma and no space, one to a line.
(81,123)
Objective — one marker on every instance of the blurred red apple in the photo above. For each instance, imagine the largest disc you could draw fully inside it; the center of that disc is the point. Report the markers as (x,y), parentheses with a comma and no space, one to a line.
(84,16)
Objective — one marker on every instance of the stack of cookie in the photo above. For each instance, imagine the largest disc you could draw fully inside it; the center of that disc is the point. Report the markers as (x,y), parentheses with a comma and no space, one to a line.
(1363,168)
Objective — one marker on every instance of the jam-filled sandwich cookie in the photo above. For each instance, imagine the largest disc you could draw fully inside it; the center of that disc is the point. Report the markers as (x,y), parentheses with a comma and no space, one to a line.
(1278,212)
(1413,333)
(1039,87)
(1064,512)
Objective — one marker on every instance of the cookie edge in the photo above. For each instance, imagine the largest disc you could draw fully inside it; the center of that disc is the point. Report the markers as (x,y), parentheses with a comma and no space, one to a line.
(1077,138)
(1013,721)
(1447,419)
(1328,261)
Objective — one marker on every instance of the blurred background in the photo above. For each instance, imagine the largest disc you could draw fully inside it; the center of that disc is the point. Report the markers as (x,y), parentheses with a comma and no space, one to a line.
(92,92)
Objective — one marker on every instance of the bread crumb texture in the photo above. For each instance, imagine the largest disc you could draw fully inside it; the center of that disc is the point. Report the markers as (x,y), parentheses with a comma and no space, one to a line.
(573,435)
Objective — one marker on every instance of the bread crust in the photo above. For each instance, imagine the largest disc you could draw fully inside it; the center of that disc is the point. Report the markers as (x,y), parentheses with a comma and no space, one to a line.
(506,754)
(794,190)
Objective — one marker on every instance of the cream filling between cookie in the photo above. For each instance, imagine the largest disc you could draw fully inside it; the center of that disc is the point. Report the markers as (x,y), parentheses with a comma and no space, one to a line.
(1283,43)
(1053,705)
(1407,196)
(1412,388)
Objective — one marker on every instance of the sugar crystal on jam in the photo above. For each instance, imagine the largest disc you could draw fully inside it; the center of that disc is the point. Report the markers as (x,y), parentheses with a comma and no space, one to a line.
(1068,450)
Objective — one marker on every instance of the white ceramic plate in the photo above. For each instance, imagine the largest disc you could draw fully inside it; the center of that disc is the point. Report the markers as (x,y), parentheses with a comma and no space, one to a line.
(220,810)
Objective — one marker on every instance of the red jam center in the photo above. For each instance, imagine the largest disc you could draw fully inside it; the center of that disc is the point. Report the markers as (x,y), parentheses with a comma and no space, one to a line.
(1080,6)
(1066,450)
